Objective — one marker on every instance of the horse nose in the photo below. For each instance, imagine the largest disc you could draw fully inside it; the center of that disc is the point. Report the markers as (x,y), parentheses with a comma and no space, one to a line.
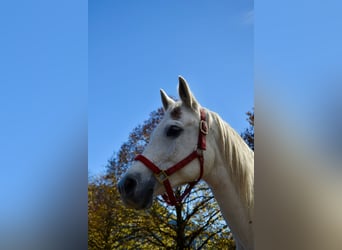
(127,186)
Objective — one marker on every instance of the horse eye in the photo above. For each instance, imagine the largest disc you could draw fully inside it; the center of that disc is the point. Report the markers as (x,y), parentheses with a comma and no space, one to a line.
(173,131)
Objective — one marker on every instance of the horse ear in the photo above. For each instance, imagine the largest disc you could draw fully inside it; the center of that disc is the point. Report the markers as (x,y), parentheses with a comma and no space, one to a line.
(166,100)
(185,94)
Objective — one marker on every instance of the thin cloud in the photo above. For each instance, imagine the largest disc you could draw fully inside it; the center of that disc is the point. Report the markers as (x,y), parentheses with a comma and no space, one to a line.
(248,17)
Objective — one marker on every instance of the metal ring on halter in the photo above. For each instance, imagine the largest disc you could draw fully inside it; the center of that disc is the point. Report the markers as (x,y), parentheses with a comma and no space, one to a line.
(204,127)
(161,177)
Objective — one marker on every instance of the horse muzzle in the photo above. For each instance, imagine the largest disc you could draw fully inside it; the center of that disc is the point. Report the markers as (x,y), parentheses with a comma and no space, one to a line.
(136,193)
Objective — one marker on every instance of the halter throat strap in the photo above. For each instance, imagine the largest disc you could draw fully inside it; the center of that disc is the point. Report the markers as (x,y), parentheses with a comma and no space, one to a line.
(163,175)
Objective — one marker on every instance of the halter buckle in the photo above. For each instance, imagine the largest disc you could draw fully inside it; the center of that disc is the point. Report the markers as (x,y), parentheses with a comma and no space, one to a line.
(204,127)
(199,152)
(161,176)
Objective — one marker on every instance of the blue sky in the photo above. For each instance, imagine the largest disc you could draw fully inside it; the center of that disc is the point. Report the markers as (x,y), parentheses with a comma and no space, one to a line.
(136,48)
(298,66)
(43,117)
(298,48)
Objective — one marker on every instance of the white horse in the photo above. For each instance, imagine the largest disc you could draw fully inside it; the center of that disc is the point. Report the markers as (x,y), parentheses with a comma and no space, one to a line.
(186,133)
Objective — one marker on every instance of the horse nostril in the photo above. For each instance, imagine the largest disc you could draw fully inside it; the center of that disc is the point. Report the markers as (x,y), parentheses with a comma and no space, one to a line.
(130,185)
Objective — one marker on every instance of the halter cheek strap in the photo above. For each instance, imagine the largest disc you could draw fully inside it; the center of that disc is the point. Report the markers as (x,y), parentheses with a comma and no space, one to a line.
(163,175)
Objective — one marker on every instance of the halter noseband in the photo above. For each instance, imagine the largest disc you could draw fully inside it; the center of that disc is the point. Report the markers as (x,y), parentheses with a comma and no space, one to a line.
(163,175)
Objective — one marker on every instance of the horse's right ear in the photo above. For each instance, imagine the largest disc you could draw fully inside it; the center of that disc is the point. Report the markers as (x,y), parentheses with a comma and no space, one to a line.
(166,100)
(185,94)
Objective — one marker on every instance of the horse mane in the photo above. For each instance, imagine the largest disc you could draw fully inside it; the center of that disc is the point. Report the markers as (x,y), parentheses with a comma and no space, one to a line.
(238,156)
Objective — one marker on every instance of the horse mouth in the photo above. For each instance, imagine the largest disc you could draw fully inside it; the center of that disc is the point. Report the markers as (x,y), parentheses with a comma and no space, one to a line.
(148,200)
(136,193)
(139,202)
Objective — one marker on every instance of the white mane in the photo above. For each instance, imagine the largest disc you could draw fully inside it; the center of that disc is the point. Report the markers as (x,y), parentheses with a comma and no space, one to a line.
(238,156)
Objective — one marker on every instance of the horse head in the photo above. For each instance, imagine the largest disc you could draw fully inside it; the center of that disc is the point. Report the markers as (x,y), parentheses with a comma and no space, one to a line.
(175,154)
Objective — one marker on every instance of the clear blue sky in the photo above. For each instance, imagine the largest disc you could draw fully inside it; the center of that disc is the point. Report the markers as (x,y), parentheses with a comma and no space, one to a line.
(43,122)
(136,48)
(298,51)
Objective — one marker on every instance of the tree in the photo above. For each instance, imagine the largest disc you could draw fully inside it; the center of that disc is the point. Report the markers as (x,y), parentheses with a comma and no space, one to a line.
(102,200)
(196,223)
(248,134)
(112,226)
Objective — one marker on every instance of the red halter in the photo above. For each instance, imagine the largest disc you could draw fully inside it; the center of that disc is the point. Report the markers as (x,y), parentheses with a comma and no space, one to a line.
(163,175)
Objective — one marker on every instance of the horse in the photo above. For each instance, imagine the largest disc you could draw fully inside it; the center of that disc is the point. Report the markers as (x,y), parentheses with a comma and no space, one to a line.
(192,143)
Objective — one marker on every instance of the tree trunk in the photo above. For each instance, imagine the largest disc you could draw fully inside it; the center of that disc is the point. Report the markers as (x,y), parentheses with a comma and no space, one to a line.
(180,228)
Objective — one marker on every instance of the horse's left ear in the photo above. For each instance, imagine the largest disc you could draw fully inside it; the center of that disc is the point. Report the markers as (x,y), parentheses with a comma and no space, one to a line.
(185,94)
(166,100)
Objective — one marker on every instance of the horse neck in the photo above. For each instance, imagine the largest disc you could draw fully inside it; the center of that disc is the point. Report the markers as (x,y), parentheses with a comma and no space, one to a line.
(231,178)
